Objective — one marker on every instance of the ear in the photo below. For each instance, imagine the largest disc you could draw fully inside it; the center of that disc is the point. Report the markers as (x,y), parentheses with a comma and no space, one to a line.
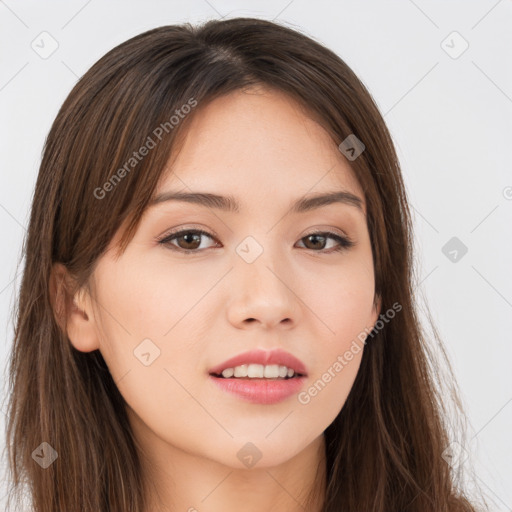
(73,313)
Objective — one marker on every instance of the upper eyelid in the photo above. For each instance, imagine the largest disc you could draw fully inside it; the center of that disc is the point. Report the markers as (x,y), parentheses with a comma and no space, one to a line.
(186,230)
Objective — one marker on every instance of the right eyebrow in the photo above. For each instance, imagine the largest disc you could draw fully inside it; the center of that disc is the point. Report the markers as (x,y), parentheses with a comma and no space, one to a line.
(227,203)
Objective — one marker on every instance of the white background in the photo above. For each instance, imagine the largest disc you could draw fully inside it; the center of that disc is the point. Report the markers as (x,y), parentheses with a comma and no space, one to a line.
(450,119)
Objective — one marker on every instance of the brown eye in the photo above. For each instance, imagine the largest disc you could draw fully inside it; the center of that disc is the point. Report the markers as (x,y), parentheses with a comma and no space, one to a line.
(186,240)
(190,241)
(317,241)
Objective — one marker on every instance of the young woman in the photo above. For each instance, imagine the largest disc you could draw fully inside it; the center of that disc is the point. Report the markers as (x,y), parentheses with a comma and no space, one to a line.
(217,308)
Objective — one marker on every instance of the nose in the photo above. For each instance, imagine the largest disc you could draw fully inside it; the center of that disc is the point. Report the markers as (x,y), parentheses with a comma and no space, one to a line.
(262,294)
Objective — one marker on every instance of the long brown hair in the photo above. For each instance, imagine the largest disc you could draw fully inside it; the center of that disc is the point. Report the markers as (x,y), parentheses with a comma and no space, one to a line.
(385,449)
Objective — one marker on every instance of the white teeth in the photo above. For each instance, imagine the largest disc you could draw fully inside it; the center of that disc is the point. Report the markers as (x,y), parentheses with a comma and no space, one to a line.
(255,370)
(241,371)
(258,371)
(271,371)
(228,372)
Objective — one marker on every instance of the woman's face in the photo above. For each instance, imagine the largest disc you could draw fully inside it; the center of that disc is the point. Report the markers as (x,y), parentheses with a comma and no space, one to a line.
(164,318)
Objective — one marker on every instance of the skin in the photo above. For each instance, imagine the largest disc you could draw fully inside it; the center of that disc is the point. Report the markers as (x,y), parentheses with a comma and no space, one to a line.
(260,147)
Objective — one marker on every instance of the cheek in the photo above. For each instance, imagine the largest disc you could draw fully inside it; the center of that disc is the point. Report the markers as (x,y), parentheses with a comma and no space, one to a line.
(152,325)
(341,297)
(327,390)
(338,354)
(151,344)
(344,306)
(149,301)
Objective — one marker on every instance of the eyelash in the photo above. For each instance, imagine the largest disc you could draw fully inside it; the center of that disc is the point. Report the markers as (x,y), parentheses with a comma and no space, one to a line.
(344,242)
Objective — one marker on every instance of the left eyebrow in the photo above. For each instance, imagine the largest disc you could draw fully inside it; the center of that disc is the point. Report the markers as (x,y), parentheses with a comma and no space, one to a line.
(230,204)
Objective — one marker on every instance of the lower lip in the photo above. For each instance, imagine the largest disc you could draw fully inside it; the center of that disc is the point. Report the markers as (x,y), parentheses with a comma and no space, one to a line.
(261,391)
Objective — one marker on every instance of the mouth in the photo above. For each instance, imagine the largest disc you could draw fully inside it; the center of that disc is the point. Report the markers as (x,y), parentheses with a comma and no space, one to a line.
(260,377)
(259,364)
(258,373)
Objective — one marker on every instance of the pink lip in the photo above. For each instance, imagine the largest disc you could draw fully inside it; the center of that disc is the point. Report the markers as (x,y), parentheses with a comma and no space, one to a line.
(260,391)
(276,356)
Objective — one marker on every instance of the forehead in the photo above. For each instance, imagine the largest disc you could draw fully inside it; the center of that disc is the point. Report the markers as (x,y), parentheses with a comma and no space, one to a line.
(254,142)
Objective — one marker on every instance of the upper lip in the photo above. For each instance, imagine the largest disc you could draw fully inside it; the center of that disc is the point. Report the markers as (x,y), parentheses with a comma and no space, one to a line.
(264,357)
